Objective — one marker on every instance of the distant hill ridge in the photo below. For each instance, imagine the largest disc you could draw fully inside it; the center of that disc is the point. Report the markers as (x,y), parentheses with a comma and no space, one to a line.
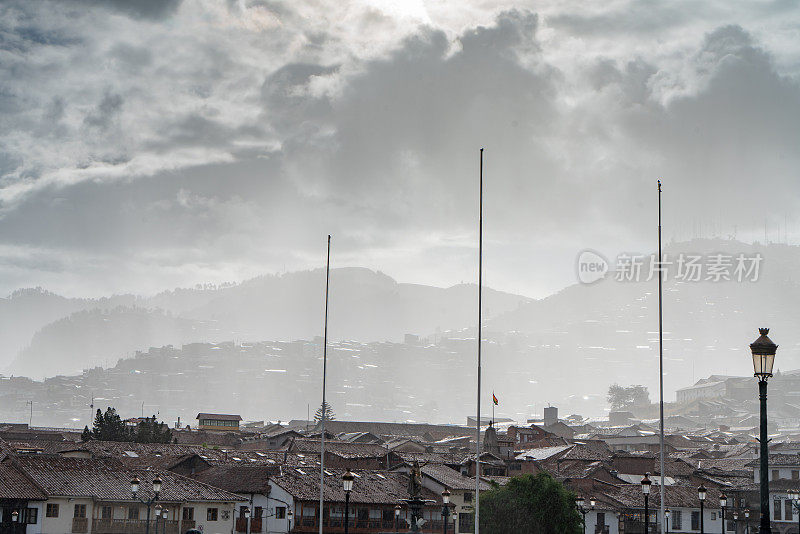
(46,334)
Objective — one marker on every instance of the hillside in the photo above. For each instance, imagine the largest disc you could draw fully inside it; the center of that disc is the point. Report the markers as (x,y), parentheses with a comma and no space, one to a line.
(71,335)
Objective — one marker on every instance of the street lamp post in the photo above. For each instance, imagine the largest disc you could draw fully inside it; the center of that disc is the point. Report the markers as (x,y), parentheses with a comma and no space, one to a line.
(158,516)
(135,484)
(247,520)
(397,509)
(580,503)
(445,508)
(646,483)
(763,350)
(723,501)
(164,515)
(347,483)
(289,518)
(701,494)
(666,519)
(794,495)
(747,521)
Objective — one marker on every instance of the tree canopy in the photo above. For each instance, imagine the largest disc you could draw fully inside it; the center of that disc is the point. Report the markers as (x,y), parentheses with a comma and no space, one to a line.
(329,415)
(530,504)
(626,398)
(109,426)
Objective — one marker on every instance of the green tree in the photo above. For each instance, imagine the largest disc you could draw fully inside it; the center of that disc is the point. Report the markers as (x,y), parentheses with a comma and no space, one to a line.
(530,504)
(627,398)
(150,430)
(109,426)
(326,408)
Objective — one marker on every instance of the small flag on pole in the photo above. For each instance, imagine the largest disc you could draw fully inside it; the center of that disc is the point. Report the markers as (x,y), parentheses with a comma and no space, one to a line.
(494,399)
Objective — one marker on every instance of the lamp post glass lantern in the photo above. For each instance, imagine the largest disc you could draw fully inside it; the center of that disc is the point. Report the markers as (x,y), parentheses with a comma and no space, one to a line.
(794,496)
(397,509)
(701,494)
(763,351)
(646,483)
(445,509)
(666,519)
(723,501)
(580,503)
(347,484)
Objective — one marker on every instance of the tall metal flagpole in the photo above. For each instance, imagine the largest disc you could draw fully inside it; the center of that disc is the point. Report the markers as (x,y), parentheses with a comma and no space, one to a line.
(480,294)
(661,366)
(324,377)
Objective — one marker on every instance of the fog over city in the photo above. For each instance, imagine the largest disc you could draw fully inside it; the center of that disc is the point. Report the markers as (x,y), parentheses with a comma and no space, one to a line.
(170,172)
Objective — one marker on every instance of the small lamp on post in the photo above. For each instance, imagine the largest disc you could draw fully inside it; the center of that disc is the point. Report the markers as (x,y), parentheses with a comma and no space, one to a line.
(794,495)
(247,519)
(763,351)
(666,516)
(347,484)
(723,502)
(747,521)
(158,516)
(289,518)
(646,483)
(701,494)
(580,503)
(397,518)
(15,516)
(445,508)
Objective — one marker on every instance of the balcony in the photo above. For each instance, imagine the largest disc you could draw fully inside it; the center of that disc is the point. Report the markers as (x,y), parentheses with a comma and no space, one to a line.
(80,525)
(133,526)
(366,526)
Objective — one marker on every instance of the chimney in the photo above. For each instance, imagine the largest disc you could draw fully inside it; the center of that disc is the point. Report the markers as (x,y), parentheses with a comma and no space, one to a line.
(550,416)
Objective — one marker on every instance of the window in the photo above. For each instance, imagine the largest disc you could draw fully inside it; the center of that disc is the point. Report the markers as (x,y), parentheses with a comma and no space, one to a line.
(105,512)
(795,474)
(188,513)
(695,520)
(776,474)
(601,519)
(211,514)
(466,522)
(133,512)
(80,510)
(713,516)
(787,509)
(467,496)
(776,510)
(30,516)
(52,510)
(676,520)
(258,512)
(375,513)
(515,466)
(280,512)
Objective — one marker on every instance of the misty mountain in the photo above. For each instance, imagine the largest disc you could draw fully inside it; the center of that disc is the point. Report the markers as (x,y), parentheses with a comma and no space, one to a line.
(90,338)
(364,306)
(590,336)
(26,311)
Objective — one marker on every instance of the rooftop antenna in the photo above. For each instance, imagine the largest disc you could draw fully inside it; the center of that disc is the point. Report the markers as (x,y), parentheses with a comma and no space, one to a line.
(324,409)
(480,288)
(660,367)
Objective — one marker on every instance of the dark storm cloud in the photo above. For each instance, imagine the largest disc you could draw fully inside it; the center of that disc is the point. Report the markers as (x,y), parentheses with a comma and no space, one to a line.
(147,9)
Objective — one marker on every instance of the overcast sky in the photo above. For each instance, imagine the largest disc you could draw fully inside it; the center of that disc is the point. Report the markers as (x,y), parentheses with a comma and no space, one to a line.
(148,144)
